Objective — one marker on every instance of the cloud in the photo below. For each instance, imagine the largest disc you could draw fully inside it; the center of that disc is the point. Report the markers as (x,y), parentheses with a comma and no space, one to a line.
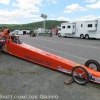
(51,1)
(48,3)
(90,1)
(36,18)
(15,15)
(94,6)
(51,15)
(82,18)
(68,11)
(73,8)
(47,0)
(6,2)
(54,1)
(29,5)
(52,19)
(63,19)
(24,11)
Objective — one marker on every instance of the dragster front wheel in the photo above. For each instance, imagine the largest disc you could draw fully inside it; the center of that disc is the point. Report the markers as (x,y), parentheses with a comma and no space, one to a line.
(80,75)
(93,64)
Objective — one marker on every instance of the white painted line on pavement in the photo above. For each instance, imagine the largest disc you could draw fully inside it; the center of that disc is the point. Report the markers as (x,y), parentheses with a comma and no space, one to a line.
(93,47)
(56,51)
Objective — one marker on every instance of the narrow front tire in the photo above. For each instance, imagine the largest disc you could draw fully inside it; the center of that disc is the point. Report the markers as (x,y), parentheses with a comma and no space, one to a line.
(80,75)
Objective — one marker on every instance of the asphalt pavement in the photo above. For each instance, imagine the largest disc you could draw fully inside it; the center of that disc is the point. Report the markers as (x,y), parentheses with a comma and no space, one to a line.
(75,49)
(21,77)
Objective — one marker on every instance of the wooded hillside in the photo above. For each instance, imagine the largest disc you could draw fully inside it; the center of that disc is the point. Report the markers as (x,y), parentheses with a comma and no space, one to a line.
(32,26)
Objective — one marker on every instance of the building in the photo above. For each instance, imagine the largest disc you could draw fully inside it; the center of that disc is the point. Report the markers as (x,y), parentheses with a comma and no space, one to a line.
(55,30)
(20,32)
(41,30)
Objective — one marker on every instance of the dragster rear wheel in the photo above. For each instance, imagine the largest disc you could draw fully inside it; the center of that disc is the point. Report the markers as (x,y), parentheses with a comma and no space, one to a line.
(93,64)
(80,75)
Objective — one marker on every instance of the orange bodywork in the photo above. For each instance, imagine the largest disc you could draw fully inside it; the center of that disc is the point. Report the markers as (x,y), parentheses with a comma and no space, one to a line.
(6,32)
(47,59)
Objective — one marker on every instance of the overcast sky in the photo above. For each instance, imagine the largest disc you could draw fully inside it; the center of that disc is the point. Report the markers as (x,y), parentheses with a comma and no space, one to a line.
(28,11)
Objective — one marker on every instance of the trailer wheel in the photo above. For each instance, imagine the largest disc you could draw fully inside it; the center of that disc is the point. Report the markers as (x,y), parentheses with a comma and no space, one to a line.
(80,75)
(93,64)
(86,36)
(59,35)
(82,36)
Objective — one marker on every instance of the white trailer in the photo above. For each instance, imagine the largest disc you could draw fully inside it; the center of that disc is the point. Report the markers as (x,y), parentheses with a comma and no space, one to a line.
(20,32)
(82,29)
(17,32)
(67,29)
(41,30)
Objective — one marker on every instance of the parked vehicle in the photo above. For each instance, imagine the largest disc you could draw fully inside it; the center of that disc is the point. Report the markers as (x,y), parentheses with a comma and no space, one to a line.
(81,29)
(32,34)
(81,74)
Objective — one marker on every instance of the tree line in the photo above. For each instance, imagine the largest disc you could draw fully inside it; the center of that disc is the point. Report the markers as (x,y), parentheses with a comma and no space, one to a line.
(32,26)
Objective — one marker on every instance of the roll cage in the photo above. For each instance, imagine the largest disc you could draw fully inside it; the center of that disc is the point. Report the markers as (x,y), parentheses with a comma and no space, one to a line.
(14,39)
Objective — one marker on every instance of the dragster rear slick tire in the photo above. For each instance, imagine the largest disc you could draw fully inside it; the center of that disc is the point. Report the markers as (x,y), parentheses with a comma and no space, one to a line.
(89,62)
(80,75)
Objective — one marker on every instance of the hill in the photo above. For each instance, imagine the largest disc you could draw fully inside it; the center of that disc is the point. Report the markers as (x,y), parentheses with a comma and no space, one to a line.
(32,26)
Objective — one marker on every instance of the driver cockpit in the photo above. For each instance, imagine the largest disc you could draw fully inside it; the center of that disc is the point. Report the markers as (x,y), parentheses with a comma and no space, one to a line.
(15,39)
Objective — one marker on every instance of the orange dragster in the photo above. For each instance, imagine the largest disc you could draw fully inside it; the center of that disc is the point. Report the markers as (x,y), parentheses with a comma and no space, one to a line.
(81,74)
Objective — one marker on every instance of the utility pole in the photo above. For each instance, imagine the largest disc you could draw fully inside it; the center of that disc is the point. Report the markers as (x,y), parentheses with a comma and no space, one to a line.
(44,17)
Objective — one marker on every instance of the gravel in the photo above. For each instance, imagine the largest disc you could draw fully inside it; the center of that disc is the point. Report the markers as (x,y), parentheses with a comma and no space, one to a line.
(19,78)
